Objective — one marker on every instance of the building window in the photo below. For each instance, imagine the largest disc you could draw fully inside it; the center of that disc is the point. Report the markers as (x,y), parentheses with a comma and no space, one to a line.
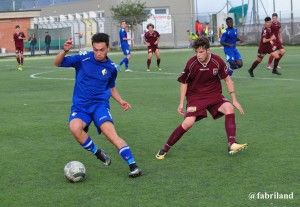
(160,11)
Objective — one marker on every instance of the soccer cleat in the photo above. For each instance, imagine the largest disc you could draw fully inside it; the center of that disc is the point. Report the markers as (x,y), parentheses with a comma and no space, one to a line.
(269,67)
(278,67)
(101,155)
(128,70)
(236,147)
(118,67)
(136,172)
(20,67)
(158,68)
(251,73)
(276,72)
(161,154)
(148,70)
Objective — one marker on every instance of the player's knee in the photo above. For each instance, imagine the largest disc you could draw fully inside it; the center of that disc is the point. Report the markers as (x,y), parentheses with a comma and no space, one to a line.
(187,125)
(76,130)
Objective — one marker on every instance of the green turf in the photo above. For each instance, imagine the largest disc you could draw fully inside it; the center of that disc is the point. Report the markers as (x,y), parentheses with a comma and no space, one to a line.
(36,142)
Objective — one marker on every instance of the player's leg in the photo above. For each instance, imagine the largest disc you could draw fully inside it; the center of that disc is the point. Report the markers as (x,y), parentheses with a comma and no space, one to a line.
(157,53)
(126,61)
(22,57)
(255,64)
(149,59)
(18,59)
(108,129)
(230,126)
(176,135)
(276,61)
(79,123)
(269,67)
(238,59)
(231,60)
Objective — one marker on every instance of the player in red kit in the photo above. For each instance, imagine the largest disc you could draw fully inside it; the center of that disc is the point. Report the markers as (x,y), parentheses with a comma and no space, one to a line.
(267,46)
(276,29)
(151,39)
(18,38)
(202,88)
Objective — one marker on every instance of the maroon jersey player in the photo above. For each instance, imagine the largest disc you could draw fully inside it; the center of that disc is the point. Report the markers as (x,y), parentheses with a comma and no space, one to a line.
(18,38)
(151,39)
(267,46)
(201,87)
(276,30)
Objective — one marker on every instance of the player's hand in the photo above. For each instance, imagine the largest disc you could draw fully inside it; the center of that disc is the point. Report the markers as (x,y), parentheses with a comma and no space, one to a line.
(124,105)
(68,44)
(231,45)
(180,110)
(239,107)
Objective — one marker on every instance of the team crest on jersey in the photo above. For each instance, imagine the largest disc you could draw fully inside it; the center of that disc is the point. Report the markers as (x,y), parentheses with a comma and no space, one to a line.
(215,71)
(104,71)
(191,109)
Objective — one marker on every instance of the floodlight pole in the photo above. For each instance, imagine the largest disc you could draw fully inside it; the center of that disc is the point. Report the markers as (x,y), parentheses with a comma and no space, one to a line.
(292,19)
(274,10)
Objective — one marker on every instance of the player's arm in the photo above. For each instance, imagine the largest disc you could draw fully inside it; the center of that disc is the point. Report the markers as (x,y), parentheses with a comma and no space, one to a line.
(223,38)
(115,94)
(60,57)
(183,88)
(280,36)
(157,40)
(230,87)
(265,40)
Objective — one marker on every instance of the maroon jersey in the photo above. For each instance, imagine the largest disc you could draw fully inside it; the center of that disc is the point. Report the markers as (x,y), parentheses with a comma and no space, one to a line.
(151,37)
(267,47)
(275,28)
(19,42)
(204,80)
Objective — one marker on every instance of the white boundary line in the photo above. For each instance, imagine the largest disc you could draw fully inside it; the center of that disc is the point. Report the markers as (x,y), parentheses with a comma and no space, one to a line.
(36,76)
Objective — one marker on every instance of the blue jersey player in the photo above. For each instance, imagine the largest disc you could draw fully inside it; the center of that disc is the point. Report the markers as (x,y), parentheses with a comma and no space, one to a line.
(94,84)
(228,40)
(125,47)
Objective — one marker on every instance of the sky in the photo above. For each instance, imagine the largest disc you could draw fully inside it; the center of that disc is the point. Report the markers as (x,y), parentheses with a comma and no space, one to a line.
(281,6)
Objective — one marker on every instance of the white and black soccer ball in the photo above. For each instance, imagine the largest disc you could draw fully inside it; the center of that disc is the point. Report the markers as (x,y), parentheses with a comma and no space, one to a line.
(74,171)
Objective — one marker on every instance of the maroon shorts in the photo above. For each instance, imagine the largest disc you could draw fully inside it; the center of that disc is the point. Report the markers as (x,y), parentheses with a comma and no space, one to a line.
(278,44)
(197,108)
(20,49)
(152,48)
(264,49)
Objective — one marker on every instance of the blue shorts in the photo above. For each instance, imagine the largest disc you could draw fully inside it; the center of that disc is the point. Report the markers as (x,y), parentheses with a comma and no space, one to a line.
(98,113)
(125,49)
(232,55)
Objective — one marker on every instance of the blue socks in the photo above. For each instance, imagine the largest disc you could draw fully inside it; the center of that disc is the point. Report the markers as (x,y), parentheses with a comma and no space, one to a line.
(126,61)
(89,145)
(126,154)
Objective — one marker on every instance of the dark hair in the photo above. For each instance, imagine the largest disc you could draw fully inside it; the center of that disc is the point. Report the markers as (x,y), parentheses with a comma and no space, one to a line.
(201,42)
(188,30)
(267,19)
(150,25)
(17,26)
(100,37)
(274,15)
(123,21)
(228,18)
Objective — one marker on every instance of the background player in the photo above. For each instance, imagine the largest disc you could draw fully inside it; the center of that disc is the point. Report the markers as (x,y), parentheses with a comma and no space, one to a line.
(94,85)
(266,46)
(276,30)
(228,40)
(18,38)
(201,85)
(125,47)
(192,37)
(151,39)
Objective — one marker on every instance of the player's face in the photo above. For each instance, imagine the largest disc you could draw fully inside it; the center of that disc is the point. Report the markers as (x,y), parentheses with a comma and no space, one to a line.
(150,28)
(274,19)
(229,23)
(123,24)
(268,24)
(18,30)
(202,54)
(100,51)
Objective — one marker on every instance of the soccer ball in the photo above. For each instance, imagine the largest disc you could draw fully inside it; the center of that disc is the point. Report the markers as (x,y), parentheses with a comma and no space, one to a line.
(74,171)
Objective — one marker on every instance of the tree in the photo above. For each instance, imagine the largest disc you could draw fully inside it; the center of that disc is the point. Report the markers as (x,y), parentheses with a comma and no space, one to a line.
(132,12)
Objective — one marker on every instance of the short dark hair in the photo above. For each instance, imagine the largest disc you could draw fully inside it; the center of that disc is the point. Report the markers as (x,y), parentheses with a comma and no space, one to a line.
(150,25)
(267,19)
(229,18)
(274,15)
(100,37)
(201,42)
(17,26)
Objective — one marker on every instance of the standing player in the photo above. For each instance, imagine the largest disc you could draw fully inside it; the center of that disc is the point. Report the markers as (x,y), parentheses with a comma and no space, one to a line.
(125,47)
(266,46)
(151,39)
(276,29)
(228,40)
(94,85)
(201,85)
(19,38)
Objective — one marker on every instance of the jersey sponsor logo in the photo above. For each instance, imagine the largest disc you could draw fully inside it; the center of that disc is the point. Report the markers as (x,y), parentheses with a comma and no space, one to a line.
(191,109)
(202,69)
(85,59)
(215,71)
(104,72)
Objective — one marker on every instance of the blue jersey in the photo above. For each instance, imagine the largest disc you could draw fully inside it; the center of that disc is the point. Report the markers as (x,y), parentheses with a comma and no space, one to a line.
(93,79)
(123,34)
(229,36)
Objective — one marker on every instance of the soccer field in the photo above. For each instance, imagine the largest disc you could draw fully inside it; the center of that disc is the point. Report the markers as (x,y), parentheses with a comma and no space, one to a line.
(197,171)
